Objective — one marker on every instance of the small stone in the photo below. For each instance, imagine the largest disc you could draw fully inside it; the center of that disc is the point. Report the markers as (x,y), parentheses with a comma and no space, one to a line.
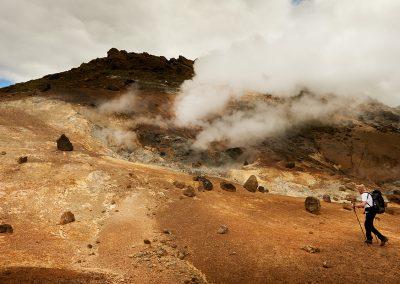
(179,184)
(227,186)
(67,217)
(310,232)
(325,264)
(189,192)
(311,249)
(251,184)
(3,153)
(147,241)
(312,205)
(351,198)
(223,229)
(262,189)
(22,160)
(63,143)
(342,188)
(90,246)
(166,231)
(326,198)
(182,254)
(6,229)
(348,207)
(392,210)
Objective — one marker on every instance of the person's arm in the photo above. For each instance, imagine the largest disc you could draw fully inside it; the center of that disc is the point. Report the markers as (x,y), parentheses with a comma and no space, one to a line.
(360,205)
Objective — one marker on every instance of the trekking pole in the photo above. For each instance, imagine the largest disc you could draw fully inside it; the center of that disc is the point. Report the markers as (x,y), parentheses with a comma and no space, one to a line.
(359,223)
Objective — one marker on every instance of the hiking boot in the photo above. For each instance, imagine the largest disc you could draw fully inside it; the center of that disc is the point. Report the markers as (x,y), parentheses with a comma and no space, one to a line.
(384,241)
(368,242)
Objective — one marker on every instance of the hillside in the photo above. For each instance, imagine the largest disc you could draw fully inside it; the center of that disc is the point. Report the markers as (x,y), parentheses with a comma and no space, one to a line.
(140,215)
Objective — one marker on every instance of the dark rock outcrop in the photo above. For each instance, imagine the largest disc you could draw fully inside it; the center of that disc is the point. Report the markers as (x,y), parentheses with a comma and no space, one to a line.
(6,229)
(251,184)
(312,205)
(63,144)
(206,184)
(67,217)
(22,160)
(227,186)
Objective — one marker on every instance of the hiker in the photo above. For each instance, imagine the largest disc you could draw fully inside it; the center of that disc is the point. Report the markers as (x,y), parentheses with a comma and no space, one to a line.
(367,202)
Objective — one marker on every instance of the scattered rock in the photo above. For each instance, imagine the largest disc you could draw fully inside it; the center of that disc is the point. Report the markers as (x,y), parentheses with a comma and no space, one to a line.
(6,229)
(351,186)
(67,217)
(182,253)
(290,165)
(227,186)
(206,183)
(147,241)
(262,189)
(348,207)
(326,264)
(311,249)
(351,198)
(251,184)
(312,205)
(179,184)
(189,192)
(392,210)
(63,143)
(22,160)
(223,229)
(196,165)
(167,232)
(326,198)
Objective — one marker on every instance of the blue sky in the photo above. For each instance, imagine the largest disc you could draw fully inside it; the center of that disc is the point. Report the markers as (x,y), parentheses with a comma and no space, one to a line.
(5,83)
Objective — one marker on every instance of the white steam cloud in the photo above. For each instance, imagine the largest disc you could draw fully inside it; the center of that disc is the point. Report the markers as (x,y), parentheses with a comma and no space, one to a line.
(346,48)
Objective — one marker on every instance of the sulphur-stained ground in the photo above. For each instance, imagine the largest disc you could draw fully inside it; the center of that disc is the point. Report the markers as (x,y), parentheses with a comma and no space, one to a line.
(133,225)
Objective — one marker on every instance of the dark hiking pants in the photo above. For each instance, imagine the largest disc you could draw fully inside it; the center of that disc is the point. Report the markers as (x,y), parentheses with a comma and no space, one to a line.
(369,226)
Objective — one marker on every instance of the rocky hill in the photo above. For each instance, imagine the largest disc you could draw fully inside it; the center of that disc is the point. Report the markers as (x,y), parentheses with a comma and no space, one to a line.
(132,201)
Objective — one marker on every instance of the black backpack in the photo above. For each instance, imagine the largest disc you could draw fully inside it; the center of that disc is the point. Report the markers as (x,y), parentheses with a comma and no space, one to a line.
(378,202)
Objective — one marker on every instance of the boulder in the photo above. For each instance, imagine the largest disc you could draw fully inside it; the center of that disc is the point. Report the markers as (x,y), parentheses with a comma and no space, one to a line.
(351,198)
(263,189)
(326,198)
(206,184)
(348,207)
(222,229)
(67,217)
(6,229)
(392,210)
(251,184)
(179,184)
(312,205)
(311,249)
(189,192)
(227,186)
(63,143)
(22,160)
